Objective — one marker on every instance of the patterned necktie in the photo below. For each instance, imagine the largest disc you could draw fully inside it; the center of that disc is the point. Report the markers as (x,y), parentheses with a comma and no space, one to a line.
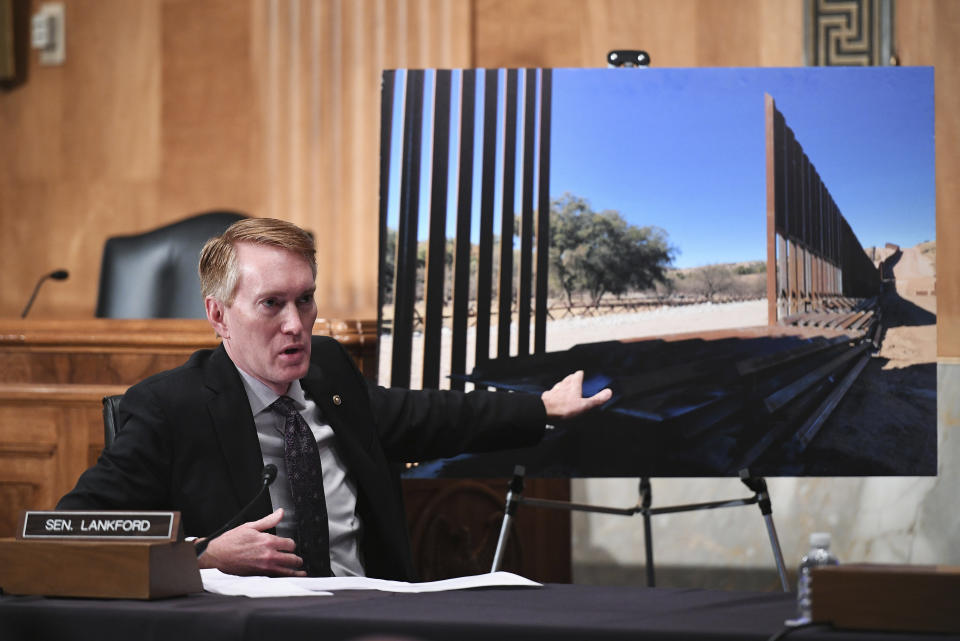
(302,457)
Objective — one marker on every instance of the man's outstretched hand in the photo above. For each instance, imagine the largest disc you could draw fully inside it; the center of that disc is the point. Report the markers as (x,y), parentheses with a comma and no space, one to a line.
(249,550)
(565,399)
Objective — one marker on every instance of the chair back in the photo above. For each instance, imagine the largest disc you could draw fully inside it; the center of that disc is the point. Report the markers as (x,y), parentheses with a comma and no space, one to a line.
(111,418)
(154,274)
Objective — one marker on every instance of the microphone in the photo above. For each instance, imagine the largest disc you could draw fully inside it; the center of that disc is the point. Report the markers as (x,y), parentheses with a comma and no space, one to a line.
(60,274)
(268,476)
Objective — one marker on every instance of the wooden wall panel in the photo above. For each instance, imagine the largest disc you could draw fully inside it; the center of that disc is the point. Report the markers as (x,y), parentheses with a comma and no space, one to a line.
(169,107)
(210,136)
(682,33)
(319,66)
(781,34)
(79,154)
(455,526)
(48,437)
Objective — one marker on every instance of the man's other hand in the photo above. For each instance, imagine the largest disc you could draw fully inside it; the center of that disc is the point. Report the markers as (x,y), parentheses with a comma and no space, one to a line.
(248,550)
(565,399)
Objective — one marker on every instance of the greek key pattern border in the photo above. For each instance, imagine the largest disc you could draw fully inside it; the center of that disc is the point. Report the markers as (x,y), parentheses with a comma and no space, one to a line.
(849,32)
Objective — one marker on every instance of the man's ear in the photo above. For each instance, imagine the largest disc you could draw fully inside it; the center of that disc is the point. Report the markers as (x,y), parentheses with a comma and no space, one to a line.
(216,317)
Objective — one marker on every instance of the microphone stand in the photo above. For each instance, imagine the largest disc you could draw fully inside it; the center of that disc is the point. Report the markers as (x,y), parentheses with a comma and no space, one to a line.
(60,274)
(268,476)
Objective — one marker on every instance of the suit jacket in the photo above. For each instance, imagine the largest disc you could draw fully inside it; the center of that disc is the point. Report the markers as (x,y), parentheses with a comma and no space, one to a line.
(187,441)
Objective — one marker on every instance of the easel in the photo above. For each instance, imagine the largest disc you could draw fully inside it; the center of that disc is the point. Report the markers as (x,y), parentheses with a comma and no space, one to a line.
(635,58)
(756,484)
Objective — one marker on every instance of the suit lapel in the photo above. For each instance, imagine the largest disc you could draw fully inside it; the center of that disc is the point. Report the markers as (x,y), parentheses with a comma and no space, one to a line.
(233,424)
(340,405)
(322,387)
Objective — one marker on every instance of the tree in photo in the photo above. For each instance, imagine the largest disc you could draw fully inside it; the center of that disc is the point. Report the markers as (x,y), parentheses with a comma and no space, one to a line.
(599,253)
(714,279)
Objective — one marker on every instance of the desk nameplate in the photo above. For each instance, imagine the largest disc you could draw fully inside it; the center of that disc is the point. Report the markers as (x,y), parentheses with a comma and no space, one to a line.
(102,569)
(99,525)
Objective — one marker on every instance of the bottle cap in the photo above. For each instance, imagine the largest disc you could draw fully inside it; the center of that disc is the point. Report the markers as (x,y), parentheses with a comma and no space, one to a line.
(820,539)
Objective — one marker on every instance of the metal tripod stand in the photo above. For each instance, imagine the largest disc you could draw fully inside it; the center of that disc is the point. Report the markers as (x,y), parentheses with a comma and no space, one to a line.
(756,484)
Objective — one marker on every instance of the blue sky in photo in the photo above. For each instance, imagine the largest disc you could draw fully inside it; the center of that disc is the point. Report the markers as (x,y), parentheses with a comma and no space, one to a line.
(684,150)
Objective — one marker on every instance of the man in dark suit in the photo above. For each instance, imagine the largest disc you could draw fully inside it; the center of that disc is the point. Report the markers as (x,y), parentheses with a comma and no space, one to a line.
(196,438)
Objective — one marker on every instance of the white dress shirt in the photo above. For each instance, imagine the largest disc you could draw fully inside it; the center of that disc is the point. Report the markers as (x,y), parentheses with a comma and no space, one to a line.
(339,488)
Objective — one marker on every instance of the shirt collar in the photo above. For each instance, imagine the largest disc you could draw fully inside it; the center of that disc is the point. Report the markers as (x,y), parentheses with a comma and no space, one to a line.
(261,397)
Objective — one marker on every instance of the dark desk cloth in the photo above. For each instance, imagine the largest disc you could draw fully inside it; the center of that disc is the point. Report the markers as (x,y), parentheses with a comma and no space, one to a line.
(554,612)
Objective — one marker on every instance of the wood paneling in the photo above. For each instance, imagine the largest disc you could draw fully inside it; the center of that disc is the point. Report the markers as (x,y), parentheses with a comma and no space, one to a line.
(123,352)
(210,123)
(79,154)
(165,108)
(47,435)
(455,525)
(681,33)
(16,497)
(96,351)
(319,66)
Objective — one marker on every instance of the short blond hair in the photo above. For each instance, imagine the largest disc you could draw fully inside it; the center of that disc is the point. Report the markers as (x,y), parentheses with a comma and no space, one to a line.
(218,269)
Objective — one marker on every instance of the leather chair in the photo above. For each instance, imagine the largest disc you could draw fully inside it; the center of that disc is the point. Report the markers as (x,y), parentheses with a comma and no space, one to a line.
(154,274)
(111,418)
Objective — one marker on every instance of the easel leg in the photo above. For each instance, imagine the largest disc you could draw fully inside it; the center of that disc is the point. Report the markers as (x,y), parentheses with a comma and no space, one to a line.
(777,552)
(756,484)
(646,499)
(514,493)
(759,486)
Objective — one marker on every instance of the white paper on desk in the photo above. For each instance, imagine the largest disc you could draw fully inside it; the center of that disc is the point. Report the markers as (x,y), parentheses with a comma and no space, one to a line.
(494,579)
(220,583)
(253,586)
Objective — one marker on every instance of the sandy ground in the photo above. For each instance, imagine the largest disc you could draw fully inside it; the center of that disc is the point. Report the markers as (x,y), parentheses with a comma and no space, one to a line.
(888,418)
(565,333)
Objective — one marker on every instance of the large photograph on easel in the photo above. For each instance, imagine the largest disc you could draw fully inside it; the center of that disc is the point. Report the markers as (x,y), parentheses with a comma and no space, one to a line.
(746,256)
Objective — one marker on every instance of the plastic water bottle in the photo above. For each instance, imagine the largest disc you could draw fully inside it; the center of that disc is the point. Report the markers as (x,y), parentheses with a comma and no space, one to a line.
(818,556)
